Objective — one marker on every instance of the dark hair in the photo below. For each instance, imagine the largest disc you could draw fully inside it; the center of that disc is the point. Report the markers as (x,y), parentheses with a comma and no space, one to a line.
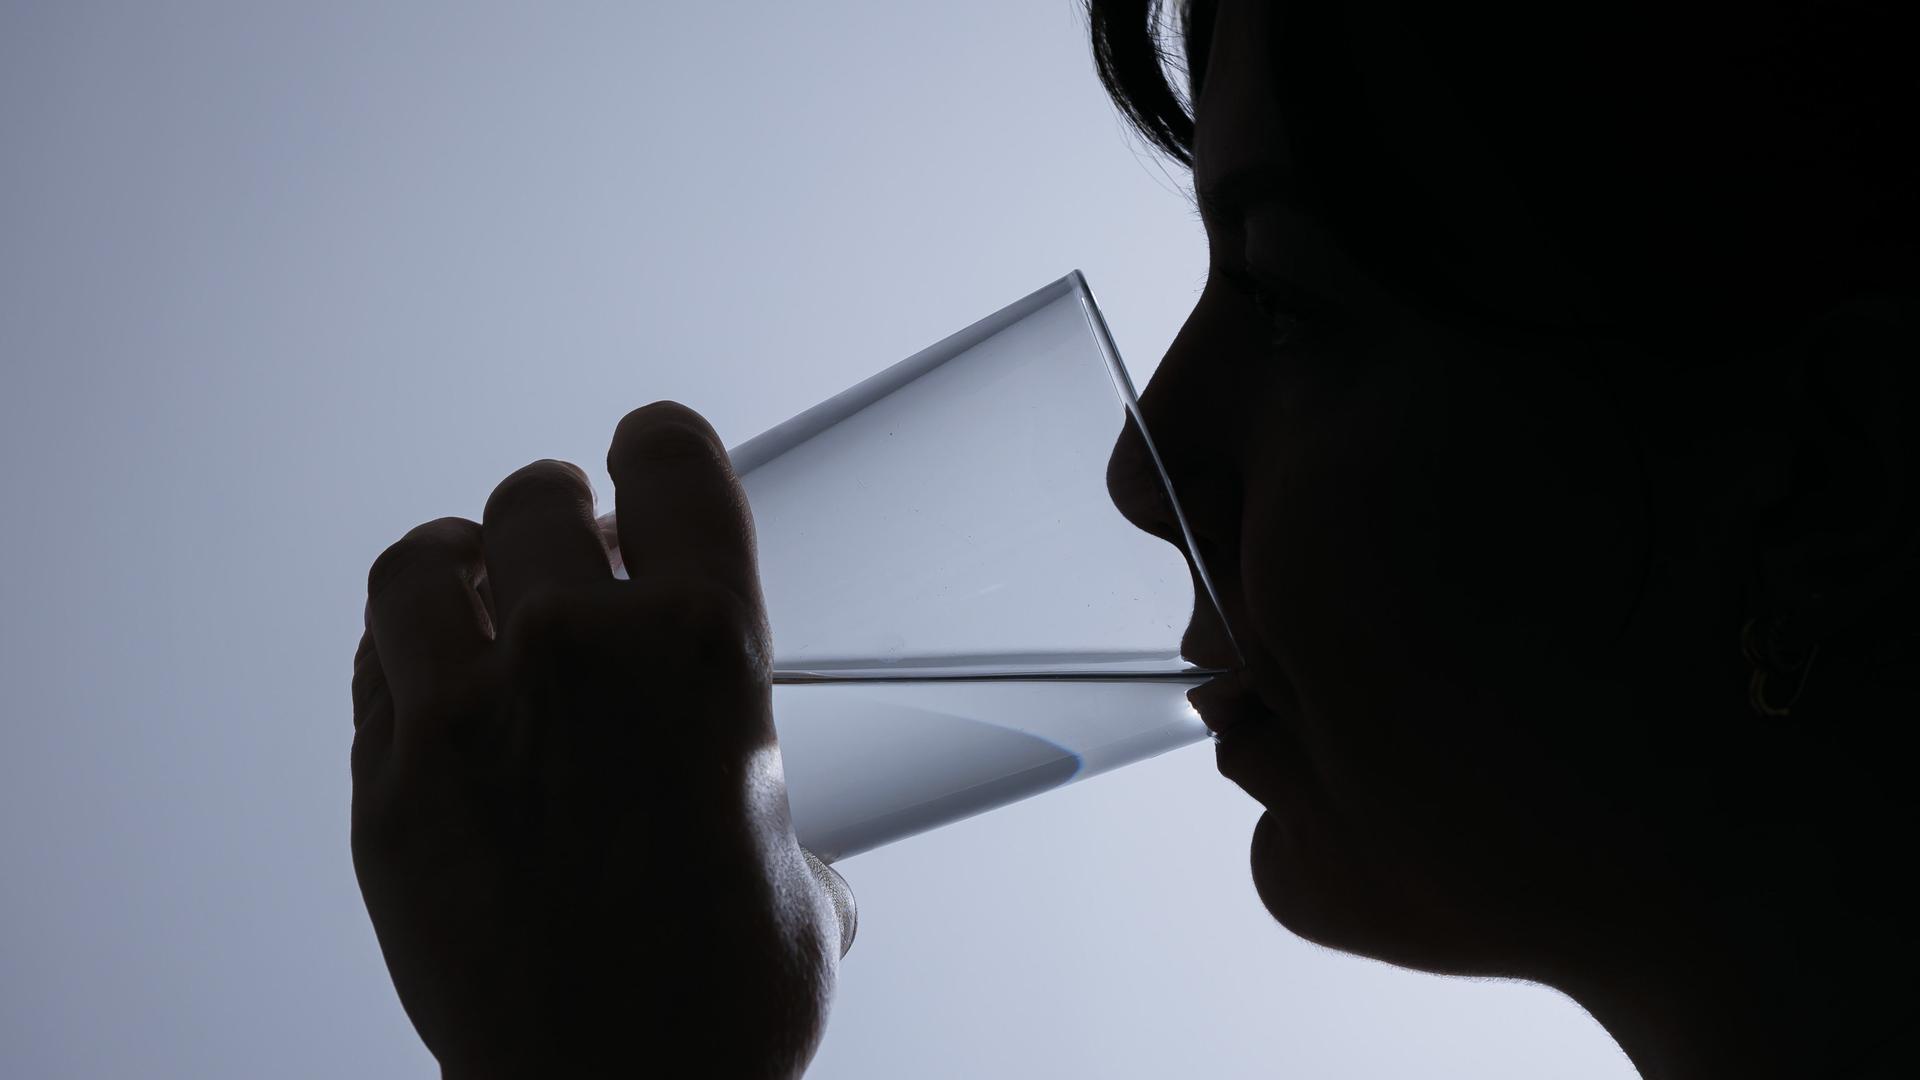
(1130,55)
(1707,168)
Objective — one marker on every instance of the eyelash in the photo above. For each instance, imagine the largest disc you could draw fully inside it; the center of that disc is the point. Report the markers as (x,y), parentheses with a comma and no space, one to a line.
(1288,320)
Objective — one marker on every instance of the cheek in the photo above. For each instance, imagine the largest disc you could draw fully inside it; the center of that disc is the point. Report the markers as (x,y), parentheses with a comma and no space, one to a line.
(1432,556)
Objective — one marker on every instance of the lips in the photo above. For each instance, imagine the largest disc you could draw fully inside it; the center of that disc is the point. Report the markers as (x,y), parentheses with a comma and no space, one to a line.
(1225,703)
(1255,748)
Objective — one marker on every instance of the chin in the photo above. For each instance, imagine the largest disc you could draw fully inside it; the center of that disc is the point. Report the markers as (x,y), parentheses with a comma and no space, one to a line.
(1293,892)
(1322,892)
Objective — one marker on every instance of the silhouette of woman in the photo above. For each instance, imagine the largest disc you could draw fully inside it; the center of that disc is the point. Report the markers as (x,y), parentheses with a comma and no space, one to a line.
(1546,424)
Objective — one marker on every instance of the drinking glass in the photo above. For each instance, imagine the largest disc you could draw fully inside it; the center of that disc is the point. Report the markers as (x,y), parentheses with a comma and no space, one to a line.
(961,618)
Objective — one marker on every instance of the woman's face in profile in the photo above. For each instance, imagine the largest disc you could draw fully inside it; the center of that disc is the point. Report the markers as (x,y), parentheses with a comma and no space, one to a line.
(1434,553)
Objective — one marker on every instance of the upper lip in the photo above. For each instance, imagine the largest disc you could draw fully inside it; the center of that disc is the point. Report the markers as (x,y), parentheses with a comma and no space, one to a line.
(1208,646)
(1206,649)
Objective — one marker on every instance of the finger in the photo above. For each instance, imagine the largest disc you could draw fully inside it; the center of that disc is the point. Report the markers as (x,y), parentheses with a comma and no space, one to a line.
(682,513)
(610,539)
(372,707)
(424,617)
(539,534)
(369,684)
(485,589)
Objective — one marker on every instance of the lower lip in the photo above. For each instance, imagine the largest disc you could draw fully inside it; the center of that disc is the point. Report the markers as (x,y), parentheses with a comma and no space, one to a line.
(1244,744)
(1256,750)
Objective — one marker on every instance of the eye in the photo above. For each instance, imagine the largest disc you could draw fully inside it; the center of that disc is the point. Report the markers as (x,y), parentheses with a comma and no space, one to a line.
(1290,310)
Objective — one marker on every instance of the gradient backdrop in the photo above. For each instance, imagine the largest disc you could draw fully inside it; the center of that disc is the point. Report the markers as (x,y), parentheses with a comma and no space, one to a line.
(278,282)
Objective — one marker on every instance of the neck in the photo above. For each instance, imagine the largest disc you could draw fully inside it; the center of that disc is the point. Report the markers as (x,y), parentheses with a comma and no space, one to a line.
(1770,986)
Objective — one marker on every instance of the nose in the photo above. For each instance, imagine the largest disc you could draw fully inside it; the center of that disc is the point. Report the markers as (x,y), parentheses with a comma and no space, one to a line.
(1133,482)
(1205,488)
(1192,414)
(1196,417)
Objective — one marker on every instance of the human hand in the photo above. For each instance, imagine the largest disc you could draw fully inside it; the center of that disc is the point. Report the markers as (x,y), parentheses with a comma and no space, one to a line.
(570,823)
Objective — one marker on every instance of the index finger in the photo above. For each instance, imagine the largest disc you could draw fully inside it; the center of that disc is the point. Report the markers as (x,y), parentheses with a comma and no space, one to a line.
(681,511)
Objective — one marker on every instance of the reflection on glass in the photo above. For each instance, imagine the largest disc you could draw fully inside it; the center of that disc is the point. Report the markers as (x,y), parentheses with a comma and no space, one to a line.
(961,618)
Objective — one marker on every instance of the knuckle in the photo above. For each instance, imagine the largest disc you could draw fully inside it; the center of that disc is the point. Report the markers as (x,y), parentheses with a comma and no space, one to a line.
(442,540)
(705,627)
(365,755)
(369,807)
(540,483)
(543,620)
(372,834)
(665,631)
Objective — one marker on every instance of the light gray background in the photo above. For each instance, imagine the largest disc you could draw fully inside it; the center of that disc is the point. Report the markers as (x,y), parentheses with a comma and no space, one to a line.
(278,282)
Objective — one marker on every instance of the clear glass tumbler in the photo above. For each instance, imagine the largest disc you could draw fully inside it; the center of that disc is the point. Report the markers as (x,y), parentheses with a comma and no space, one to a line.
(960,616)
